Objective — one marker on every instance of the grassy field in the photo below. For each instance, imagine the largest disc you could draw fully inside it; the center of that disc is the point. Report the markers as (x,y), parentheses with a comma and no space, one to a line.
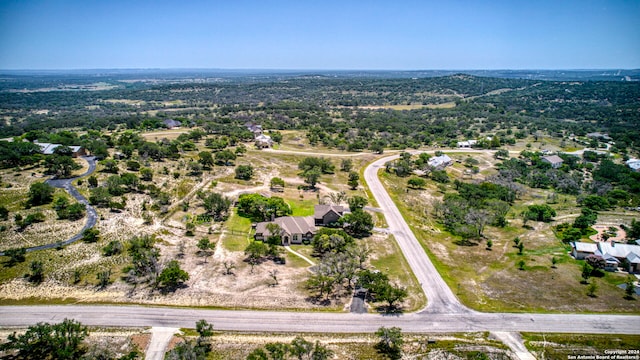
(235,345)
(490,280)
(560,346)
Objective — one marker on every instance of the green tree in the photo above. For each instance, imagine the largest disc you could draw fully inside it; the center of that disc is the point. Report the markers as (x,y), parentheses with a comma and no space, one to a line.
(416,183)
(346,165)
(630,288)
(591,289)
(300,347)
(543,213)
(133,165)
(90,235)
(60,166)
(357,202)
(392,295)
(353,180)
(244,172)
(40,193)
(390,342)
(206,246)
(16,255)
(216,205)
(205,158)
(37,272)
(255,252)
(261,208)
(225,157)
(93,181)
(276,136)
(311,177)
(521,264)
(172,276)
(586,272)
(633,231)
(501,154)
(110,166)
(104,278)
(321,164)
(4,213)
(146,174)
(45,341)
(277,184)
(358,223)
(114,247)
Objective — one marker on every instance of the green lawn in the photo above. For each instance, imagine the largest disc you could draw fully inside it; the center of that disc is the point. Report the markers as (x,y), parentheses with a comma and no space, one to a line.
(237,232)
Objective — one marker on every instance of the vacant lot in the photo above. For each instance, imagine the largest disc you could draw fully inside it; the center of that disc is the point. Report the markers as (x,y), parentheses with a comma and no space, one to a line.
(489,280)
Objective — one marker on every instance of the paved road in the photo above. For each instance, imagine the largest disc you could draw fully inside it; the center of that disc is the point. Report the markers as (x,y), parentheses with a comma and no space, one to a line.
(265,321)
(92,215)
(440,298)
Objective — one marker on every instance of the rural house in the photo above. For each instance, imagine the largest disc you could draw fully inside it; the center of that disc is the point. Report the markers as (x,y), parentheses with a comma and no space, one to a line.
(254,128)
(48,149)
(327,214)
(467,144)
(263,141)
(634,164)
(614,254)
(171,124)
(293,229)
(300,229)
(555,161)
(440,162)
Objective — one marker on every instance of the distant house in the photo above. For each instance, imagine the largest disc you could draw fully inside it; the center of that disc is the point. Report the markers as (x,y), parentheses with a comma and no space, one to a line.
(49,149)
(171,124)
(634,164)
(613,253)
(254,128)
(263,141)
(555,161)
(467,144)
(440,162)
(293,229)
(327,214)
(597,135)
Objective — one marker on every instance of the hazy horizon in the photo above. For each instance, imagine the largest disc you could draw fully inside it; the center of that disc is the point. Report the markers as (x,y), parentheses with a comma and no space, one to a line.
(331,35)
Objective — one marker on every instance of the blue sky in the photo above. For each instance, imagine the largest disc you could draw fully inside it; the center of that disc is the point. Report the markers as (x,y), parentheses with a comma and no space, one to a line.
(325,34)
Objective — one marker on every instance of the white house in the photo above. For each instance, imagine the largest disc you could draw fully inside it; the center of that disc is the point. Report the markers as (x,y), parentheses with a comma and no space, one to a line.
(634,164)
(440,162)
(467,144)
(263,141)
(613,253)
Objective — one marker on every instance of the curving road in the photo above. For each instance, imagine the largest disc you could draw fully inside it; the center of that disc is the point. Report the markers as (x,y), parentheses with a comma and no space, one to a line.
(444,313)
(439,296)
(92,215)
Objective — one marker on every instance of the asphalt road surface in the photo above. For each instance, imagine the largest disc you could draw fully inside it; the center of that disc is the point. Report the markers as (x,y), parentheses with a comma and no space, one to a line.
(104,315)
(92,216)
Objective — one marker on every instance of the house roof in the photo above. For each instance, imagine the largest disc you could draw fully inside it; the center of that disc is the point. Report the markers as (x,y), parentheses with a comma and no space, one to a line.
(48,148)
(264,138)
(553,159)
(172,123)
(290,225)
(618,250)
(633,164)
(585,247)
(467,142)
(439,160)
(319,211)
